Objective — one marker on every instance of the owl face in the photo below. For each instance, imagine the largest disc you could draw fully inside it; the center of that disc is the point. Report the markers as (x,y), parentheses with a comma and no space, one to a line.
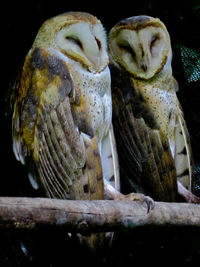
(79,36)
(141,45)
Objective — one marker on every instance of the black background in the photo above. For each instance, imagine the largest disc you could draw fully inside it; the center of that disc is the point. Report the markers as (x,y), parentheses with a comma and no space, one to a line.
(21,21)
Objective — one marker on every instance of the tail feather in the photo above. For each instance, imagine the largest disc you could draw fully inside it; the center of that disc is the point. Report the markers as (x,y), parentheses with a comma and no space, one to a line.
(110,159)
(183,154)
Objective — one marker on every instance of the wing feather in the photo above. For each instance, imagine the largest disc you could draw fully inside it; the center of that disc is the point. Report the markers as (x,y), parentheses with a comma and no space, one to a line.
(72,135)
(45,184)
(52,173)
(49,180)
(61,146)
(56,173)
(60,162)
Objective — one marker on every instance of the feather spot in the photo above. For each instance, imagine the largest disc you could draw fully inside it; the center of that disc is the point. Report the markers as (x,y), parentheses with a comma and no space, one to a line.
(112,178)
(183,151)
(86,188)
(184,173)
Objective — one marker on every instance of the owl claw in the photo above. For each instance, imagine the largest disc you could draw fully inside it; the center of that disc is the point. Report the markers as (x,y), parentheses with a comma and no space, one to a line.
(139,197)
(150,203)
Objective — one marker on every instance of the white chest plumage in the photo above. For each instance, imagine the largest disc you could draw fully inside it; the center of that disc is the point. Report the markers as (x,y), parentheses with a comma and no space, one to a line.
(95,90)
(164,106)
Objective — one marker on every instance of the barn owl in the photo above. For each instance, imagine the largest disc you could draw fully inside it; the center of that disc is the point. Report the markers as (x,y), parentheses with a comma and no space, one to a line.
(62,110)
(151,134)
(62,114)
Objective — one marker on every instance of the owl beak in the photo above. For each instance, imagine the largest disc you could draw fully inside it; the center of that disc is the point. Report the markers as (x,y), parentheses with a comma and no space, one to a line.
(145,59)
(94,56)
(143,66)
(95,64)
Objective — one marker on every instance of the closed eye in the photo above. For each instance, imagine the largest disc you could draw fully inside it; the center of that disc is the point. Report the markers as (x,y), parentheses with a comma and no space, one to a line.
(74,40)
(98,43)
(154,39)
(128,49)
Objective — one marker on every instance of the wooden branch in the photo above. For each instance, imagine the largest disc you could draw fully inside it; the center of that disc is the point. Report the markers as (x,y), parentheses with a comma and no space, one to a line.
(93,216)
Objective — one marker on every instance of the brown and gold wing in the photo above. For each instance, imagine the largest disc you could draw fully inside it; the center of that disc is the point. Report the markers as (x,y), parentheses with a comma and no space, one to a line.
(145,160)
(45,132)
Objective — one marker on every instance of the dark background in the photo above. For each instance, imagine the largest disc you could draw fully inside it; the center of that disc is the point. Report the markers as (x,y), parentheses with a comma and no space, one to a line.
(19,28)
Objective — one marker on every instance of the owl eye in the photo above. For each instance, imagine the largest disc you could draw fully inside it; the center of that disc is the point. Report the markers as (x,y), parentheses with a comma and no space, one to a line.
(98,43)
(154,39)
(128,49)
(74,40)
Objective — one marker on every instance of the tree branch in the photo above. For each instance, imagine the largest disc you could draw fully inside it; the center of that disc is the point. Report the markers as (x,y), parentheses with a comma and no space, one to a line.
(93,216)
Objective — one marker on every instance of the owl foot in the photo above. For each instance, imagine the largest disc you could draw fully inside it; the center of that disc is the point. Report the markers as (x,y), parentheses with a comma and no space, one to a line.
(111,193)
(139,197)
(189,196)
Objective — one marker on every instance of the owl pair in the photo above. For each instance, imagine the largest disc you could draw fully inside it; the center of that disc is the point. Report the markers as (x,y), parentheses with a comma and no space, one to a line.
(62,119)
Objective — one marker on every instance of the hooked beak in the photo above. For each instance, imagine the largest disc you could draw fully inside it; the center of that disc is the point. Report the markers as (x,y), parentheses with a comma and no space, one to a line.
(143,66)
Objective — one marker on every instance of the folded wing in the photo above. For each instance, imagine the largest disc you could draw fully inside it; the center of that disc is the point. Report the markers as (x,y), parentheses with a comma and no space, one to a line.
(146,163)
(66,159)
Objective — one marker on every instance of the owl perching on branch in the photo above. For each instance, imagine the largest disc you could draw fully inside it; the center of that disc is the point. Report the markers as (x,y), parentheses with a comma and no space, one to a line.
(152,138)
(62,113)
(62,108)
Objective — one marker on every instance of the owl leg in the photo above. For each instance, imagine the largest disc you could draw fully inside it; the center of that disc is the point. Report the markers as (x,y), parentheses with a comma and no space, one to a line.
(189,196)
(111,193)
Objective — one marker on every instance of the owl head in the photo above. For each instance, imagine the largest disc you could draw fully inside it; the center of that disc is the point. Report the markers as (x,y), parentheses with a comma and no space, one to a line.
(77,35)
(140,45)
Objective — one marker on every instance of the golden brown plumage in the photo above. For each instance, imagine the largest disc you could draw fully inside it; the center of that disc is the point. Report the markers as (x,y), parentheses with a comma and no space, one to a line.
(153,141)
(62,111)
(44,130)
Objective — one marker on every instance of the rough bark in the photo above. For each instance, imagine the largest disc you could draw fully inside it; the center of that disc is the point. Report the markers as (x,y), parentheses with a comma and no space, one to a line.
(93,216)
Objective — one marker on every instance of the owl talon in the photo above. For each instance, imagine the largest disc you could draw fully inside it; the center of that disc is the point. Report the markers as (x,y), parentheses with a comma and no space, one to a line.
(139,197)
(150,203)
